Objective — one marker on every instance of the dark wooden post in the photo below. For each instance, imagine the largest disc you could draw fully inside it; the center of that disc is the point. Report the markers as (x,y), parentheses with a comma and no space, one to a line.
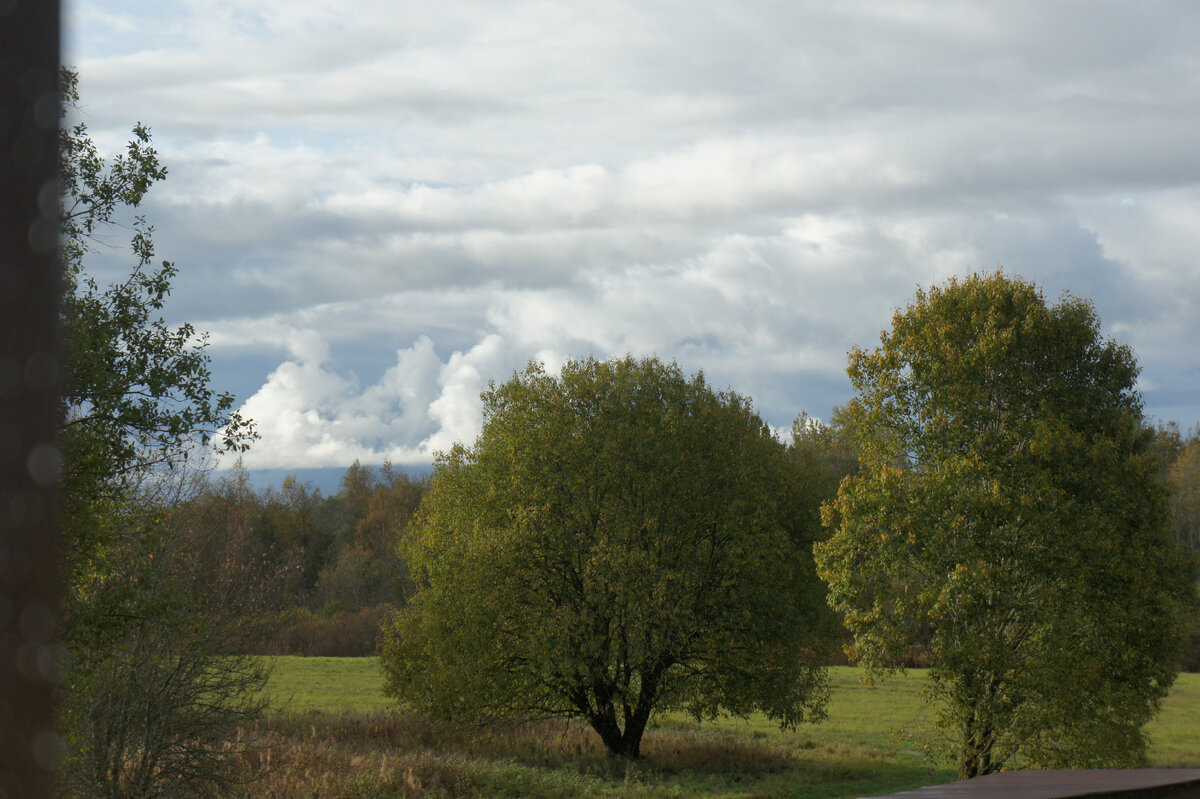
(30,748)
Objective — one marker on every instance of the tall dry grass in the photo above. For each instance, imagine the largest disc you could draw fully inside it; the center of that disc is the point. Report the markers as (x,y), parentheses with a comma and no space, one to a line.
(395,755)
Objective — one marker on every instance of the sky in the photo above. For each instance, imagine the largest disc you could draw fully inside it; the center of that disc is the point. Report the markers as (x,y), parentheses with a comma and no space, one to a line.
(379,206)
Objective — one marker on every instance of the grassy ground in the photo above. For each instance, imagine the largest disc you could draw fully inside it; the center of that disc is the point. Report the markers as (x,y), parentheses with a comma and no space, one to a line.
(1175,734)
(337,736)
(329,685)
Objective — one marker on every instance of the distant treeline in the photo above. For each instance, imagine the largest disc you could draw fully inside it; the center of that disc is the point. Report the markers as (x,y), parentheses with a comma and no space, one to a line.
(323,569)
(1180,458)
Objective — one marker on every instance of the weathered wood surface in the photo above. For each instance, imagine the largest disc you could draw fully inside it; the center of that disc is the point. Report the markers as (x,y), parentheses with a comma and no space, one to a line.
(1151,783)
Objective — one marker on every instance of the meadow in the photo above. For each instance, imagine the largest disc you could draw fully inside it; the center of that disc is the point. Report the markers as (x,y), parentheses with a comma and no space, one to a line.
(333,734)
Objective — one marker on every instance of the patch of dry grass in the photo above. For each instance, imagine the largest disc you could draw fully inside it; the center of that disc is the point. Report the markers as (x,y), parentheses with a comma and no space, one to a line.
(397,755)
(865,748)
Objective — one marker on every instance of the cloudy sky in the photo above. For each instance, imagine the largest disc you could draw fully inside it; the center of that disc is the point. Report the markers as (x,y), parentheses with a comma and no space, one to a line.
(377,206)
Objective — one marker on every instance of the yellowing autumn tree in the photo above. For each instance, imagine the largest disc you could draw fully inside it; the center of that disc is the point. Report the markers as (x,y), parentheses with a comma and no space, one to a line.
(1010,512)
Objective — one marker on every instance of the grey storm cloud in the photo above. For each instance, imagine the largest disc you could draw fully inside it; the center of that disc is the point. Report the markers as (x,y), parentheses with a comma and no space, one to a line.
(377,209)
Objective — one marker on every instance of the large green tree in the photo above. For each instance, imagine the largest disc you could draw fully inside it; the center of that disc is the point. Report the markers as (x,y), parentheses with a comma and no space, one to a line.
(1010,514)
(619,540)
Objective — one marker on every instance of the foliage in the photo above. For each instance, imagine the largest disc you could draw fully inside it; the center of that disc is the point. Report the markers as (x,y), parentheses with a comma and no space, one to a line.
(235,531)
(1183,478)
(146,696)
(1182,472)
(342,633)
(367,570)
(153,698)
(823,455)
(329,564)
(620,540)
(137,394)
(1011,510)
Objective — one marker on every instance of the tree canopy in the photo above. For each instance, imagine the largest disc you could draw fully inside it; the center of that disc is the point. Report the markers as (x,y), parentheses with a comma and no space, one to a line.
(1010,515)
(619,540)
(137,393)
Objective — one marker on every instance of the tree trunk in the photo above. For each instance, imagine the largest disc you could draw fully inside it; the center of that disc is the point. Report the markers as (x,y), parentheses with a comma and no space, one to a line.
(975,759)
(605,725)
(620,743)
(625,742)
(602,715)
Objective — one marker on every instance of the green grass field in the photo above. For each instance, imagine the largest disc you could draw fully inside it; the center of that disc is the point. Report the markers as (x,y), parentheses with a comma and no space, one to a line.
(334,734)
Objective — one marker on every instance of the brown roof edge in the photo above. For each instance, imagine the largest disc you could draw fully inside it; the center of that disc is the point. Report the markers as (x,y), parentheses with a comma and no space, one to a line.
(1150,783)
